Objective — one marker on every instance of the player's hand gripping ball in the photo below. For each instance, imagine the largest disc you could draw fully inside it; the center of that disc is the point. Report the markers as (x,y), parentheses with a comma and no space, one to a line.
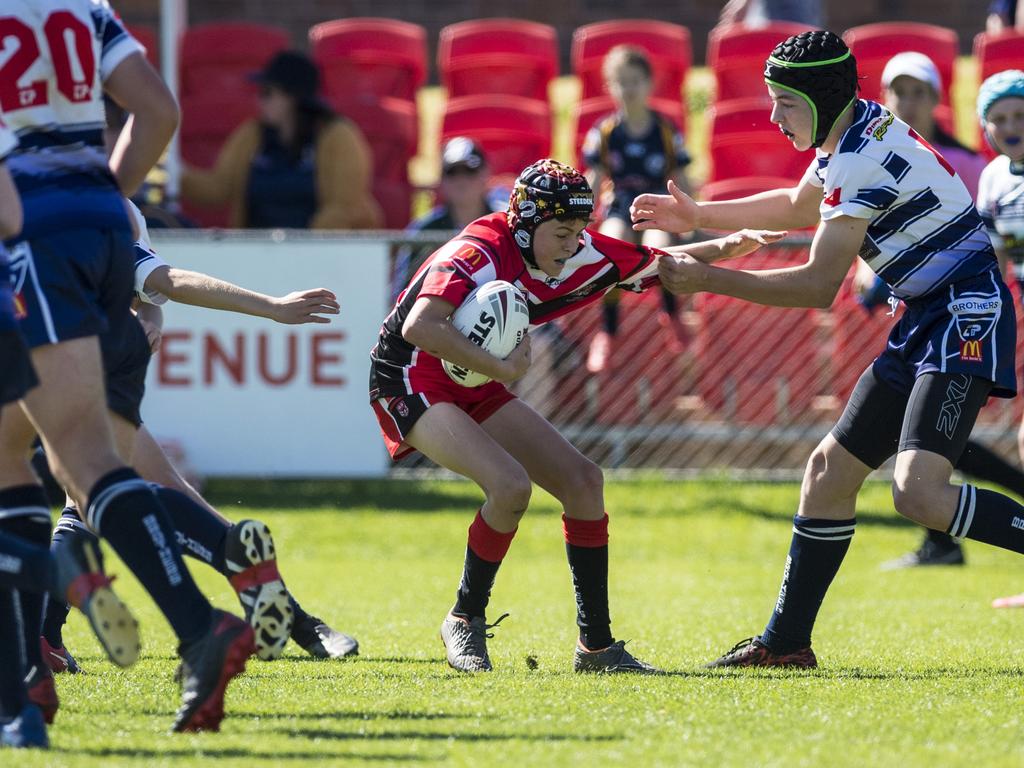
(495,317)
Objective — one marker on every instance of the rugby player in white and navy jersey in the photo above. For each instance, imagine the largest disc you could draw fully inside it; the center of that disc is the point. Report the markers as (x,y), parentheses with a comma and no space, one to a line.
(881,192)
(30,569)
(542,247)
(72,267)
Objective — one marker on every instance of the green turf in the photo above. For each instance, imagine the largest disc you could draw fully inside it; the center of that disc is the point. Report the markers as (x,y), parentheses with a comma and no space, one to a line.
(917,669)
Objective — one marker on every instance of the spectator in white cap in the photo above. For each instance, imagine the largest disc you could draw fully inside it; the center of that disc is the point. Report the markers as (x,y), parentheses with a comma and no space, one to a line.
(912,86)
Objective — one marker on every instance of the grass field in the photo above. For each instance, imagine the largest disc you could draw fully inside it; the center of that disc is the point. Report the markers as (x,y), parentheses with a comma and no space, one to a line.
(917,670)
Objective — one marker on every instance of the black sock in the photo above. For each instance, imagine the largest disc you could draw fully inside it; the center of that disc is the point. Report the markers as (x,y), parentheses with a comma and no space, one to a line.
(25,513)
(941,539)
(610,311)
(124,510)
(589,567)
(12,664)
(298,611)
(200,533)
(485,550)
(475,587)
(980,462)
(669,302)
(56,612)
(989,517)
(815,554)
(586,546)
(25,565)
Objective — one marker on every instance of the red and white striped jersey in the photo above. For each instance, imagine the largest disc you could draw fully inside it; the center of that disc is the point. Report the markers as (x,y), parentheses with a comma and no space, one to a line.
(485,251)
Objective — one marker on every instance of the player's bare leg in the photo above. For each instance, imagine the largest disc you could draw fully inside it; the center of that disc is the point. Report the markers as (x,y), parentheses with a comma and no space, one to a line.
(448,436)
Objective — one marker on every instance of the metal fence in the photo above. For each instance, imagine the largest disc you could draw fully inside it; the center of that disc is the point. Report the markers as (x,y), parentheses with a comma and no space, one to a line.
(753,391)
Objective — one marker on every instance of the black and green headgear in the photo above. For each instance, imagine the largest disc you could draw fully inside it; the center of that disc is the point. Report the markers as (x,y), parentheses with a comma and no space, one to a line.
(819,68)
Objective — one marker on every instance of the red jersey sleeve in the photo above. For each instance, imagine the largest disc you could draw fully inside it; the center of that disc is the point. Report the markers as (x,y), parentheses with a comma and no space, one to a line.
(637,264)
(455,269)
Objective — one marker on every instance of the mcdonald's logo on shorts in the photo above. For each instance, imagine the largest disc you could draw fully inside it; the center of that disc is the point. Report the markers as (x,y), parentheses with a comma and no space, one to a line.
(970,351)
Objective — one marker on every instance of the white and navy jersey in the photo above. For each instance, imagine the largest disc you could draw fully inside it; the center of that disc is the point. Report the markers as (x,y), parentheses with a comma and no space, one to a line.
(59,54)
(924,231)
(8,141)
(146,260)
(1001,205)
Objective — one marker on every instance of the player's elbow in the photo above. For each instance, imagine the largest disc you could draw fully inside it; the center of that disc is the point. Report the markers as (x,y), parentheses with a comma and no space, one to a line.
(415,330)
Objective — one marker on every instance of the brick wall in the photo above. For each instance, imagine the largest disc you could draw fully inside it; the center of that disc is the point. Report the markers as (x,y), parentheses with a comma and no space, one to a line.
(699,15)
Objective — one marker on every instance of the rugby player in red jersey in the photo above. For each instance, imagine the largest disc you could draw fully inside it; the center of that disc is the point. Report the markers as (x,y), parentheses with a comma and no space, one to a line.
(543,247)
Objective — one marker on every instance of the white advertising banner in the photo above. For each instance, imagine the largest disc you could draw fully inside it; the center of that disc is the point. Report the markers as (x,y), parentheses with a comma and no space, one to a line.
(245,396)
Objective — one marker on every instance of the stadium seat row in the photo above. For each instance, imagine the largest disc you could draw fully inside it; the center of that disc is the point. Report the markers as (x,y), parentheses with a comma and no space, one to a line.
(497,71)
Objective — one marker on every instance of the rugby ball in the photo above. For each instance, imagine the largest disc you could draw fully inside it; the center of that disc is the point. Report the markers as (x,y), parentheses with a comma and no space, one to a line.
(495,317)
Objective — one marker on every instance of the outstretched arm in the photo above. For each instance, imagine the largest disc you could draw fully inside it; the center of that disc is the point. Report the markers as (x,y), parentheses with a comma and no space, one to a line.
(729,247)
(813,284)
(197,289)
(776,209)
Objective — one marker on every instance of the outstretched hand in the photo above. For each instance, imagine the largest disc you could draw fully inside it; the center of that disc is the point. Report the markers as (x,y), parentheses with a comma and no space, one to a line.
(303,307)
(674,212)
(747,241)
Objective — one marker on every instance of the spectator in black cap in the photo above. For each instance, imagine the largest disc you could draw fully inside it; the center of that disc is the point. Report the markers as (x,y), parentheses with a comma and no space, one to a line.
(462,198)
(298,166)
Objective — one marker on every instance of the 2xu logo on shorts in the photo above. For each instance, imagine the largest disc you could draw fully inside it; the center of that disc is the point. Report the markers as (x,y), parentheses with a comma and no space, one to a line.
(949,414)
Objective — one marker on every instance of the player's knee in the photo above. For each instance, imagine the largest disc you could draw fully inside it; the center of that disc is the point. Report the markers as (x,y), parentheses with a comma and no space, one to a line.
(911,496)
(511,494)
(816,478)
(584,481)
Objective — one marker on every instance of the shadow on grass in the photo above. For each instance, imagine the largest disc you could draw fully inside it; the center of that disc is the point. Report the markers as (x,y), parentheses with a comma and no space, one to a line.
(846,673)
(323,733)
(226,752)
(391,715)
(411,496)
(864,517)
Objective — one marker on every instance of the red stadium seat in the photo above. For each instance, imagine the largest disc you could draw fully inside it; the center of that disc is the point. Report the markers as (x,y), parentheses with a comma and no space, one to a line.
(395,200)
(744,142)
(390,128)
(218,58)
(758,364)
(736,54)
(207,119)
(998,52)
(667,45)
(507,56)
(742,186)
(513,131)
(381,57)
(874,44)
(147,36)
(589,111)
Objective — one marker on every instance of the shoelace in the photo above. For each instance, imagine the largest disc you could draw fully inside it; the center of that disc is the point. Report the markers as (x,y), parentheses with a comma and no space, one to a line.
(501,618)
(740,646)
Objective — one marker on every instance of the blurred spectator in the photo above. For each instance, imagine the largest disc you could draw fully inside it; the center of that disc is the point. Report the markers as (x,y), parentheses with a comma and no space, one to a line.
(636,150)
(1004,14)
(299,165)
(462,197)
(757,13)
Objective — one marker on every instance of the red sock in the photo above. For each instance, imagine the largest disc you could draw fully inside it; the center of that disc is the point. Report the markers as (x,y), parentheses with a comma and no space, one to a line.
(585,533)
(487,543)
